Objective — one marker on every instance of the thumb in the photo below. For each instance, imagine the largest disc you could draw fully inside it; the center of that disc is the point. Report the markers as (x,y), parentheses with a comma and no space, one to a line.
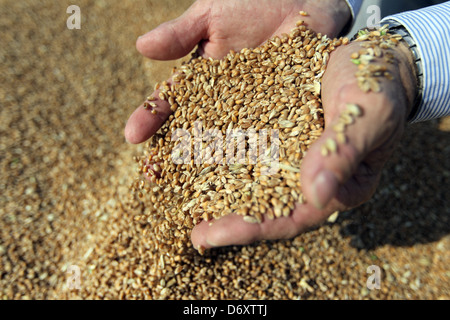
(344,164)
(176,38)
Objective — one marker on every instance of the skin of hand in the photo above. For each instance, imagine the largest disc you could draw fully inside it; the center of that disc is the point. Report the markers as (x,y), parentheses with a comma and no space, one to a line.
(336,182)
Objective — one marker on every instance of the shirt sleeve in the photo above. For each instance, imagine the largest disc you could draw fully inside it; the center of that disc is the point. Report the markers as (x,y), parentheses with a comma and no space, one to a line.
(355,6)
(429,27)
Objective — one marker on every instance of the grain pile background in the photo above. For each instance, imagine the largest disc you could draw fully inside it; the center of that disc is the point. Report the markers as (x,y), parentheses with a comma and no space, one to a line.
(65,96)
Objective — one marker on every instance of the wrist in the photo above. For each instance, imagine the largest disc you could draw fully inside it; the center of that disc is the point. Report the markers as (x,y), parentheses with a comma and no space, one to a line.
(408,76)
(402,63)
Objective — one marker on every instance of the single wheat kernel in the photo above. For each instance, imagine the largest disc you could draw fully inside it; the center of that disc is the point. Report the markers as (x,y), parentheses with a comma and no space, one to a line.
(324,150)
(353,109)
(354,55)
(333,217)
(162,95)
(156,168)
(250,219)
(346,118)
(201,250)
(286,212)
(331,145)
(339,127)
(374,85)
(341,138)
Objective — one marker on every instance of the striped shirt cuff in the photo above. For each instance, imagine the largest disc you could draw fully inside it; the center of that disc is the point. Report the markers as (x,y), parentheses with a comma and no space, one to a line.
(355,6)
(430,29)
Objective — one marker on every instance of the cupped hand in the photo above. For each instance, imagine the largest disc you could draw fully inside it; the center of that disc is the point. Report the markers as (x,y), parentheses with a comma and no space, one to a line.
(345,179)
(336,182)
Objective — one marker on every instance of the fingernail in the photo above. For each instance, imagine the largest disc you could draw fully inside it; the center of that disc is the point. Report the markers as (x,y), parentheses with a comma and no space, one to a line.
(211,242)
(143,35)
(324,189)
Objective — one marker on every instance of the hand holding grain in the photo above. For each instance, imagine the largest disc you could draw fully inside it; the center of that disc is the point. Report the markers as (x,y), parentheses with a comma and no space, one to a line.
(343,176)
(347,177)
